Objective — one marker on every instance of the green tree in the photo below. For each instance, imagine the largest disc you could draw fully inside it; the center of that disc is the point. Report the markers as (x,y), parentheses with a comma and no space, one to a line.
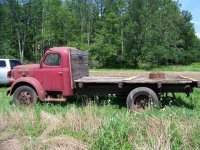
(117,33)
(108,41)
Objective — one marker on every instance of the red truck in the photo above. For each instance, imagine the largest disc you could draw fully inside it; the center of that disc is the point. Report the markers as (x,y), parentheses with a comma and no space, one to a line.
(63,72)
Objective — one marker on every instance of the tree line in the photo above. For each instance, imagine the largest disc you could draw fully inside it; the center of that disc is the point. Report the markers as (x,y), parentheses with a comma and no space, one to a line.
(116,33)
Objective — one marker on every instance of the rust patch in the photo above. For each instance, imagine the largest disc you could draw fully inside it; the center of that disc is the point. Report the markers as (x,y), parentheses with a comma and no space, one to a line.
(157,75)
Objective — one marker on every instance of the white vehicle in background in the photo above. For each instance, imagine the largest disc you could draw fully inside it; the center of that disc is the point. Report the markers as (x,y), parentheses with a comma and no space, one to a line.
(6,65)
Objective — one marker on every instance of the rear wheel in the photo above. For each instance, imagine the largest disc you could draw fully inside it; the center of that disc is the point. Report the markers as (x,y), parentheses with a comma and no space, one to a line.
(141,99)
(25,95)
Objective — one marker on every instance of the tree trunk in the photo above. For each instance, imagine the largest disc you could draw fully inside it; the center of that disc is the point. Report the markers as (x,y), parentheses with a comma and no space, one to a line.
(122,43)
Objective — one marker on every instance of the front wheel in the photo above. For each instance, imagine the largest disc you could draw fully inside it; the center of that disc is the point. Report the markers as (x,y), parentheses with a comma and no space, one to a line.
(141,98)
(25,95)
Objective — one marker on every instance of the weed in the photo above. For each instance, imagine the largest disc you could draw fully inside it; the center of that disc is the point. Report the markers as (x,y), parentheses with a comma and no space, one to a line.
(107,126)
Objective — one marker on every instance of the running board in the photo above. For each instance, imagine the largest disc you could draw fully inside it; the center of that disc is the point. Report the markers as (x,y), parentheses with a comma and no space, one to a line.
(51,99)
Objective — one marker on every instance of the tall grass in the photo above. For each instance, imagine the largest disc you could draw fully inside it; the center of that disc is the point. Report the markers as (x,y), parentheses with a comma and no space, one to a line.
(109,127)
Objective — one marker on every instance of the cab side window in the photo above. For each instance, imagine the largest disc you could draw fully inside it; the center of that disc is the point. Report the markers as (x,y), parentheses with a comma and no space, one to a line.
(2,63)
(52,60)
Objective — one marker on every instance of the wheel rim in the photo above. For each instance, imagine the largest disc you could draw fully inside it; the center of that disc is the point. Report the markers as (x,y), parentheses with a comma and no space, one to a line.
(24,98)
(141,102)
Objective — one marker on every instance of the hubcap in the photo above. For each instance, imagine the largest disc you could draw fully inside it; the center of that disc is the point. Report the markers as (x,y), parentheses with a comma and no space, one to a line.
(141,102)
(24,98)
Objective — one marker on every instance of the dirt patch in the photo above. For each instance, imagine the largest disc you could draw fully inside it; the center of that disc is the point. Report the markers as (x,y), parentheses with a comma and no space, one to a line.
(121,73)
(11,144)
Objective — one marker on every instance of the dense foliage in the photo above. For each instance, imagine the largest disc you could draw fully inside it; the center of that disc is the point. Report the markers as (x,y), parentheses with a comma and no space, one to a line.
(117,33)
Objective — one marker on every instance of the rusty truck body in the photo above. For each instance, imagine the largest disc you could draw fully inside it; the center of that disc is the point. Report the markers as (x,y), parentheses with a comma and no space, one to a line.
(63,72)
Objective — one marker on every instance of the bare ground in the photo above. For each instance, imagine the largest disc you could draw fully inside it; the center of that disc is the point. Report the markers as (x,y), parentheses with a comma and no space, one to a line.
(121,73)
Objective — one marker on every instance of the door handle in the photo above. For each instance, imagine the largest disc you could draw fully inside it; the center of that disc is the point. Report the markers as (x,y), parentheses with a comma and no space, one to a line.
(60,73)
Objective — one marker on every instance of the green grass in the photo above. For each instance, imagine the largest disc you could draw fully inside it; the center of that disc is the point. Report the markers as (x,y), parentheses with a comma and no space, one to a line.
(109,127)
(192,67)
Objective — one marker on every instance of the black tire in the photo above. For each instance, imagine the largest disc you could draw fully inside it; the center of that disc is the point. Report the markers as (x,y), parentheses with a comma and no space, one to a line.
(141,98)
(25,95)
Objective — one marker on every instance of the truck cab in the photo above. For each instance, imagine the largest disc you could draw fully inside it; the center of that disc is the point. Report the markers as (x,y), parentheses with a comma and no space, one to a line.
(52,79)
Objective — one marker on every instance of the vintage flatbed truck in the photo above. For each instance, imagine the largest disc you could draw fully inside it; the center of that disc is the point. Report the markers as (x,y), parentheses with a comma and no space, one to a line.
(63,72)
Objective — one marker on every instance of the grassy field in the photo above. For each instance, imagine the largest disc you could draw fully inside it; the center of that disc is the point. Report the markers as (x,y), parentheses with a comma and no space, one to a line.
(108,126)
(105,126)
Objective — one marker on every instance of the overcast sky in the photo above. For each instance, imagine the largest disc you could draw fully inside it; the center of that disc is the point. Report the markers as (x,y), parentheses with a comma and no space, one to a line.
(193,6)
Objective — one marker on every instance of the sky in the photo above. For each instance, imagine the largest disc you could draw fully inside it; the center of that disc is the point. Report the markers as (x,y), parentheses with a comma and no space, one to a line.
(193,6)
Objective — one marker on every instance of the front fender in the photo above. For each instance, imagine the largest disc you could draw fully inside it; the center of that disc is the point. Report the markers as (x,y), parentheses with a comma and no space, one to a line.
(29,81)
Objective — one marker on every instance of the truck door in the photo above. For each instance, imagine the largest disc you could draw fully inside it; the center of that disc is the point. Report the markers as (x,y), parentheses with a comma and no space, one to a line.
(52,72)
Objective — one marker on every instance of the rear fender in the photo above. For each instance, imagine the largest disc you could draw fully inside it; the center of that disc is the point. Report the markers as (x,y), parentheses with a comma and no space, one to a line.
(29,81)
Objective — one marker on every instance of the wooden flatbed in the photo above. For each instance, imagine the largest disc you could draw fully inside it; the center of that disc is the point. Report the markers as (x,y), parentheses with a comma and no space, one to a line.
(136,80)
(120,85)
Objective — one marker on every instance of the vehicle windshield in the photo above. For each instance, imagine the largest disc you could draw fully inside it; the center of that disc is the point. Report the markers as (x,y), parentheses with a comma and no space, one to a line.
(14,63)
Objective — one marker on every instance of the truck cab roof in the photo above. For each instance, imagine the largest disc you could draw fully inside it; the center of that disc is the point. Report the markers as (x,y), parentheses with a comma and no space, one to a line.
(62,49)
